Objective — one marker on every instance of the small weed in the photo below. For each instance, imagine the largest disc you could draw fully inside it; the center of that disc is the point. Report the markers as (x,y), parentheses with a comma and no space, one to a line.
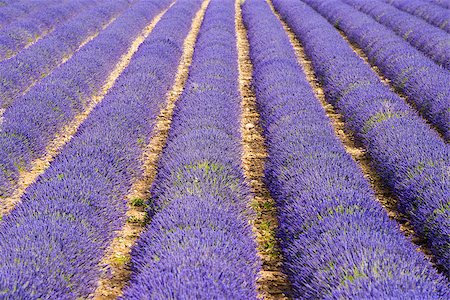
(268,205)
(352,275)
(137,202)
(141,142)
(135,220)
(120,260)
(265,226)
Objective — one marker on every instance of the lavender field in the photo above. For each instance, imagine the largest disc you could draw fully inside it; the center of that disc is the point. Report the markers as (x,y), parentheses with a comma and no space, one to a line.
(224,149)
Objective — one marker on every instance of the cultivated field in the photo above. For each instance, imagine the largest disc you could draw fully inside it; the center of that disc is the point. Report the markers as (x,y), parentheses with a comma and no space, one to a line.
(224,149)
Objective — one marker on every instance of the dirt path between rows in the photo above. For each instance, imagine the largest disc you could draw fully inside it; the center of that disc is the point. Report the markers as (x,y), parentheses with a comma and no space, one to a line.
(351,144)
(117,257)
(384,195)
(64,136)
(272,282)
(9,101)
(387,82)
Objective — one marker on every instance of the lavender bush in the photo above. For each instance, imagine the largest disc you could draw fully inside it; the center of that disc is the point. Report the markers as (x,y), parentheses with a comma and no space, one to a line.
(17,35)
(415,75)
(52,242)
(12,10)
(431,13)
(430,40)
(199,244)
(410,157)
(441,3)
(33,120)
(336,239)
(34,63)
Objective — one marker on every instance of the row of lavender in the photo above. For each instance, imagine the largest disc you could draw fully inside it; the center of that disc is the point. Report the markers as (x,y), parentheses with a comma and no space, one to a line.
(432,41)
(17,35)
(415,75)
(33,119)
(13,10)
(35,63)
(410,157)
(432,13)
(336,239)
(52,242)
(199,244)
(442,3)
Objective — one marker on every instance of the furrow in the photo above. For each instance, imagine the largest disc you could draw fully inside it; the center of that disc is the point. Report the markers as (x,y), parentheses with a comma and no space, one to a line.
(337,240)
(74,209)
(25,33)
(272,282)
(408,155)
(21,73)
(61,138)
(352,146)
(199,198)
(117,256)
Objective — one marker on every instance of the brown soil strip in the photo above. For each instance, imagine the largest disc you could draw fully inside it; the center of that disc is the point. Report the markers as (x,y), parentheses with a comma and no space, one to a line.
(353,146)
(272,282)
(63,61)
(29,43)
(383,194)
(33,41)
(88,39)
(116,261)
(39,165)
(387,82)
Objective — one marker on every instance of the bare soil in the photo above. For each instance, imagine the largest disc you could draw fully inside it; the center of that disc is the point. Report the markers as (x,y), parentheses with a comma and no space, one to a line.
(387,82)
(272,282)
(382,192)
(352,146)
(116,261)
(61,138)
